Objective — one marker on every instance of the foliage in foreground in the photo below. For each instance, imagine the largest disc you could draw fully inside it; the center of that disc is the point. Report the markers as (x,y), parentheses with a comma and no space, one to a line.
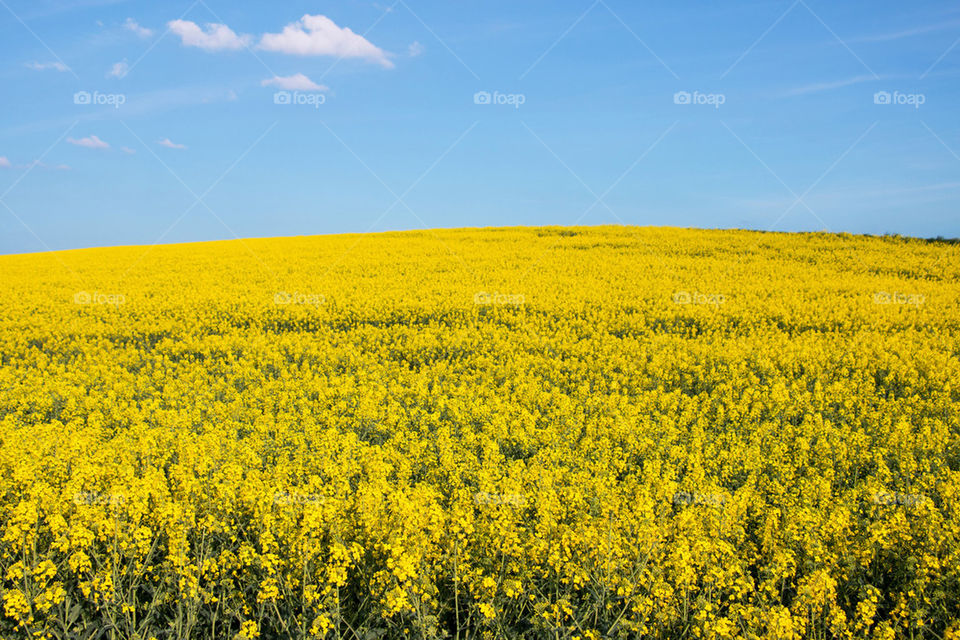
(541,433)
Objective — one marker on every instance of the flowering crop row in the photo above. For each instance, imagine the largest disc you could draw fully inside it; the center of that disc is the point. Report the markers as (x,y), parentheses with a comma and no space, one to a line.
(543,433)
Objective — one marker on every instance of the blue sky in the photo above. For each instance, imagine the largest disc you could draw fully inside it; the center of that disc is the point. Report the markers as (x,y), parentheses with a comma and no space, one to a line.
(129,122)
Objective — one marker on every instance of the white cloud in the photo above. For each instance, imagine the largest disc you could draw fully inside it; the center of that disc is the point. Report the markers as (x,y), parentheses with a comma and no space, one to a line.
(415,49)
(168,143)
(119,70)
(131,25)
(296,82)
(90,142)
(216,37)
(319,36)
(4,163)
(127,150)
(43,66)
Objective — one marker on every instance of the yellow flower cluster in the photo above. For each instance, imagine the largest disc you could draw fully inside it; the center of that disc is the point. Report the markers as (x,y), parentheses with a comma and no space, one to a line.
(543,433)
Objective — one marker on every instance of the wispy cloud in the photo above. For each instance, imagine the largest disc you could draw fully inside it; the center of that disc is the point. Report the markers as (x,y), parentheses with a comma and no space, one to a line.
(870,196)
(415,49)
(216,37)
(320,36)
(119,70)
(43,66)
(6,164)
(42,165)
(908,33)
(170,144)
(131,25)
(296,82)
(90,142)
(128,150)
(150,103)
(828,86)
(884,192)
(38,10)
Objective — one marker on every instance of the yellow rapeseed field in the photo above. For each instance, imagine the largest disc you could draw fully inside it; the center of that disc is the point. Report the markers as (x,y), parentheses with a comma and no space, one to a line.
(602,432)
